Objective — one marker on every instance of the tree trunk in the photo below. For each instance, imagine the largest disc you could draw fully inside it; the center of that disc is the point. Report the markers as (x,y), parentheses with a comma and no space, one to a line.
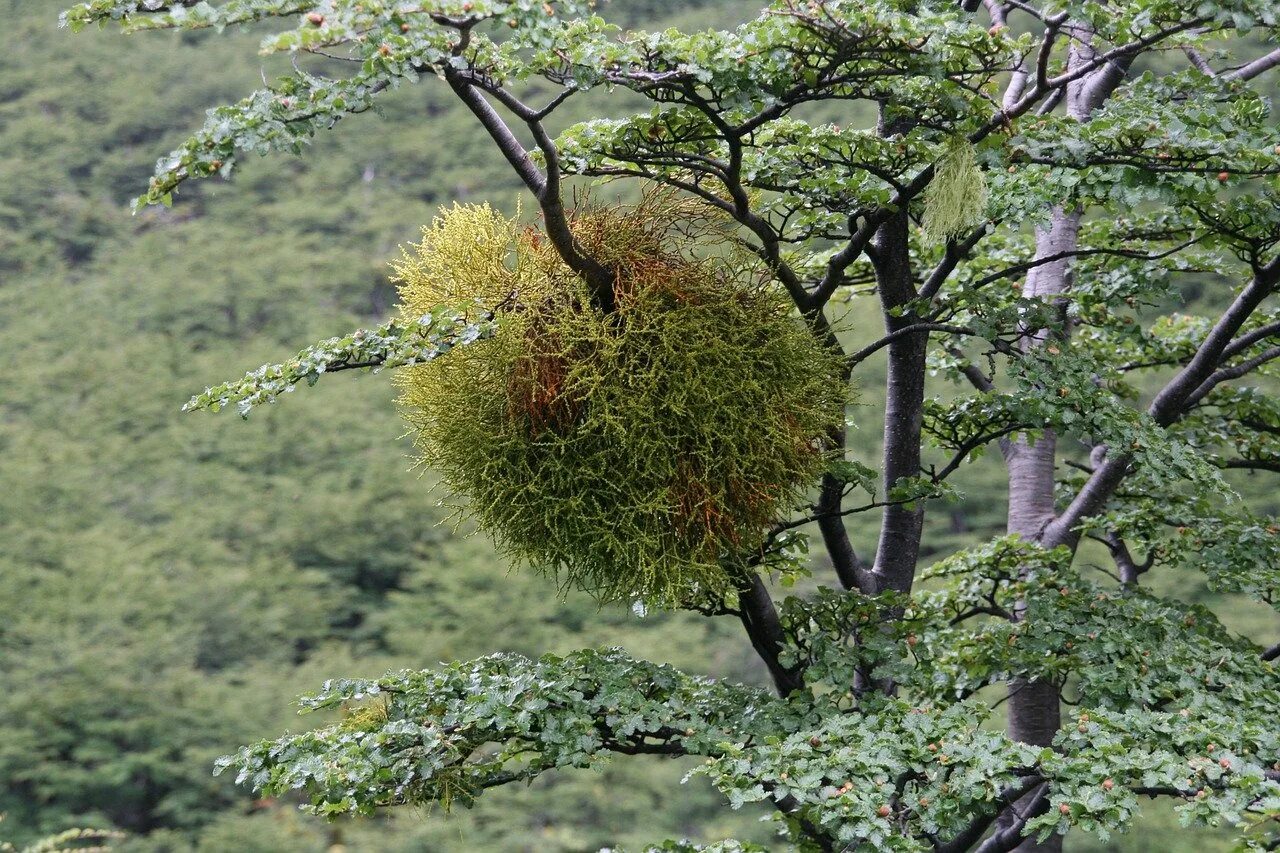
(901,527)
(1034,709)
(1035,712)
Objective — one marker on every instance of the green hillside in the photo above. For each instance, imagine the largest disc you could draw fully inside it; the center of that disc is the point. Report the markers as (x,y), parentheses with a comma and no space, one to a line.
(170,583)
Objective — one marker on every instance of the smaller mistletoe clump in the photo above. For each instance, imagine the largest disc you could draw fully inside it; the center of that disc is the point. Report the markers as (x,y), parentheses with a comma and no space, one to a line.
(634,453)
(957,197)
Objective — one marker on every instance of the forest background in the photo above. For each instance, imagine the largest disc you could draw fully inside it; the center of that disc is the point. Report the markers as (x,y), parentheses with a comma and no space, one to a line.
(170,583)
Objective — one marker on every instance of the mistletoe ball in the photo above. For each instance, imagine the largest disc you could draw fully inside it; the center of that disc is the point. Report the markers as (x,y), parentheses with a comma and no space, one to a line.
(639,453)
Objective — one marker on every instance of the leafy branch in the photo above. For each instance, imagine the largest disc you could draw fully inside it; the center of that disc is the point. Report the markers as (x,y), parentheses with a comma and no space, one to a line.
(393,344)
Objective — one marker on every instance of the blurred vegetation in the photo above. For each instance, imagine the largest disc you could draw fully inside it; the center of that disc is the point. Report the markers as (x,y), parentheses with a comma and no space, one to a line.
(169,583)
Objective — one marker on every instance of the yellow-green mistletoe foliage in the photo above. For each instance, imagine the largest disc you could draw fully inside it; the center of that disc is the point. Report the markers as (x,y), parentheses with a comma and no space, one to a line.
(957,196)
(635,453)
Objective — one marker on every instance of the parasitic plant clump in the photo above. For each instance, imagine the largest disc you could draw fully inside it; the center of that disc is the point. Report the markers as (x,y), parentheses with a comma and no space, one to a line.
(634,454)
(956,198)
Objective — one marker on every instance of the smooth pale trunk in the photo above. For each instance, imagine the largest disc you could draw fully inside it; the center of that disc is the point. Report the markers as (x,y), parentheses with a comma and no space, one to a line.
(1034,709)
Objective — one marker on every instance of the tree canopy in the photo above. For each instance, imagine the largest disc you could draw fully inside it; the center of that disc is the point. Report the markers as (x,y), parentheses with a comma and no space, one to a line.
(1026,193)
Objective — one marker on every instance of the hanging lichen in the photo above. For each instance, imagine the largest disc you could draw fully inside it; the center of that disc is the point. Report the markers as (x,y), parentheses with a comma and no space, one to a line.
(956,198)
(630,453)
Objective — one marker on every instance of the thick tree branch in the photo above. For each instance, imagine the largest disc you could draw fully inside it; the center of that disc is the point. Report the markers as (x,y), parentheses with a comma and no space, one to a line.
(1173,399)
(850,570)
(760,619)
(1130,569)
(1168,406)
(971,834)
(1272,465)
(1010,836)
(956,252)
(1199,62)
(841,261)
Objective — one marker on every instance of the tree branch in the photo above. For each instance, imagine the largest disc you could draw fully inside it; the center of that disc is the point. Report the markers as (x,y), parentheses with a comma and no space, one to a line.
(914,328)
(760,619)
(1027,266)
(971,834)
(1245,341)
(1228,373)
(545,187)
(1010,836)
(955,253)
(1167,407)
(1258,66)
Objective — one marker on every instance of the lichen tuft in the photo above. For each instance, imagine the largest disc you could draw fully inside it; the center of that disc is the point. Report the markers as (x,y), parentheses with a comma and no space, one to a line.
(956,198)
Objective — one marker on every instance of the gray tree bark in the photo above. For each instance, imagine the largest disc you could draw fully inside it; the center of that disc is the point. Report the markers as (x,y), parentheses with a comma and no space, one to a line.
(1035,713)
(1034,709)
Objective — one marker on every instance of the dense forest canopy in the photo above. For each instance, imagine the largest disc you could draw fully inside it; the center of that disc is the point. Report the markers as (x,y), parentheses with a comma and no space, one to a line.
(167,594)
(1049,232)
